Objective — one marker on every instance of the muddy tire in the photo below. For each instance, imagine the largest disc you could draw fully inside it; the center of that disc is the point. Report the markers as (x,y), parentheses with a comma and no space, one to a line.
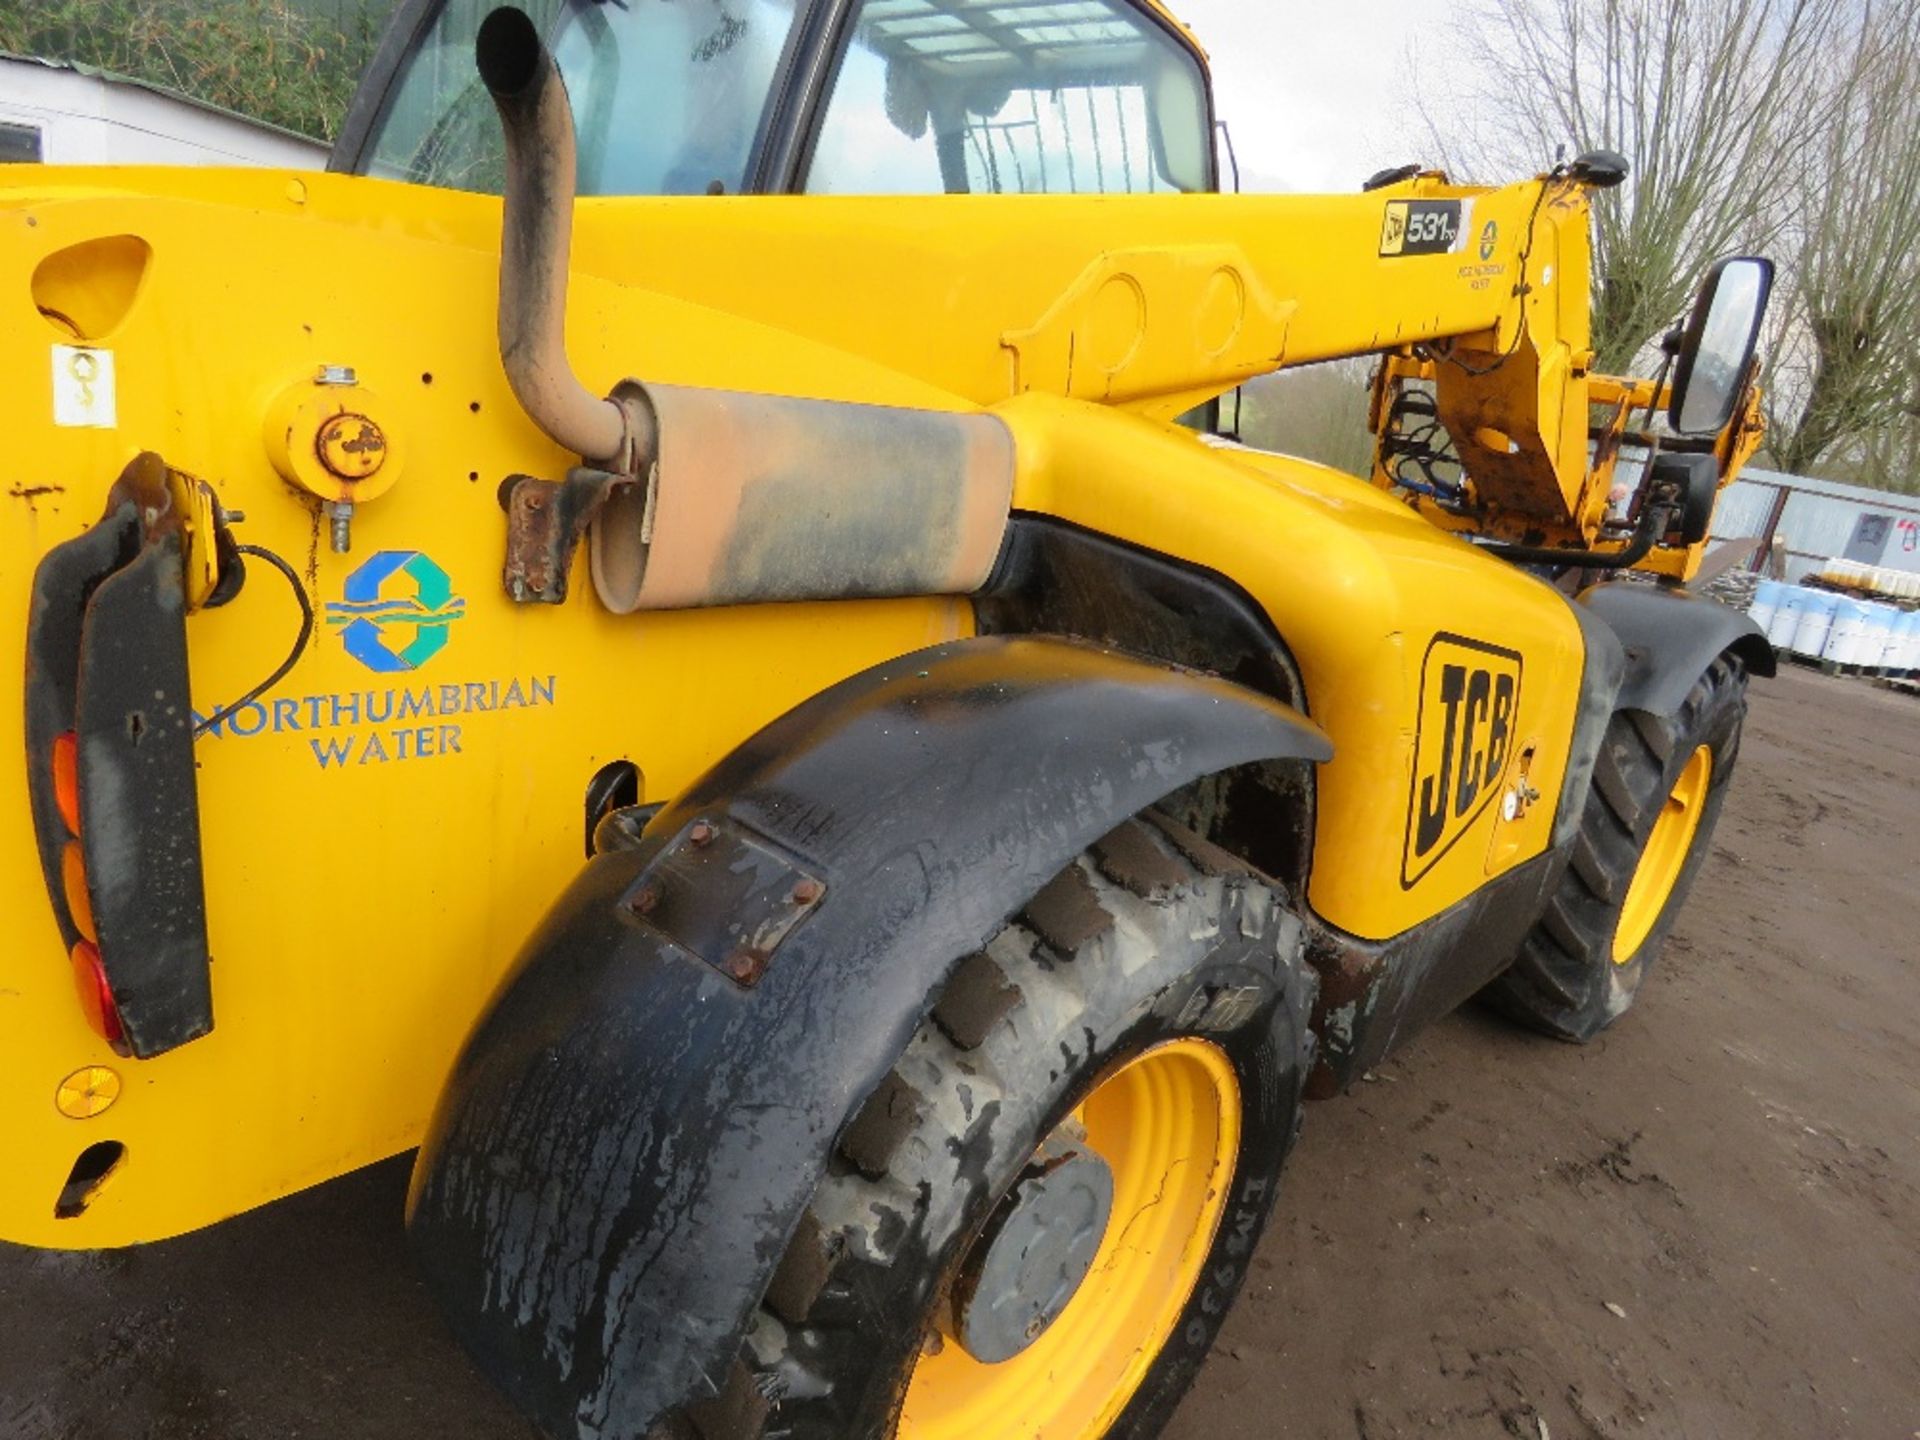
(1658,786)
(1152,950)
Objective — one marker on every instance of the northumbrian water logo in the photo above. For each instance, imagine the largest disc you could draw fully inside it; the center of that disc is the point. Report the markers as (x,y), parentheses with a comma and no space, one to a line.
(395,611)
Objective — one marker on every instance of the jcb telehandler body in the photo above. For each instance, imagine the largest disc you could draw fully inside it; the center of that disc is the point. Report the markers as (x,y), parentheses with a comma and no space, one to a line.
(1001,801)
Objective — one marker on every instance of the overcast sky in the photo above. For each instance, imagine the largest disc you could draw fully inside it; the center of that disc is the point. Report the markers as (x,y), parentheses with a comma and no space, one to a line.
(1318,96)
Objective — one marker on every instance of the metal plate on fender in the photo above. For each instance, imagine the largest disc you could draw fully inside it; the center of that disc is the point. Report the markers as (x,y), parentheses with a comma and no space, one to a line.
(1422,227)
(1469,707)
(724,895)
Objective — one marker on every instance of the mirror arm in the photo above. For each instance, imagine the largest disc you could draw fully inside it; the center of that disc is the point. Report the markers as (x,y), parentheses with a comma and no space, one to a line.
(1670,348)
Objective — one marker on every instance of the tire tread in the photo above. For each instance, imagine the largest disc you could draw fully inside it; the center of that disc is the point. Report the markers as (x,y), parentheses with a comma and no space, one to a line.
(995,1004)
(1564,981)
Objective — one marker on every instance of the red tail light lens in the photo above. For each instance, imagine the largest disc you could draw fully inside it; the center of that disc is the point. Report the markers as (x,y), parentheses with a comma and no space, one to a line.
(89,975)
(96,995)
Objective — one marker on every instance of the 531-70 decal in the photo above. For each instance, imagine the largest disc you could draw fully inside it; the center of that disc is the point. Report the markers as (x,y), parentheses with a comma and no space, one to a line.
(1423,227)
(1469,707)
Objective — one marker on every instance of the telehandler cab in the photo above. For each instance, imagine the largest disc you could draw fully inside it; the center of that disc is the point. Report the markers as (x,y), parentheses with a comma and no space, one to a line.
(1002,802)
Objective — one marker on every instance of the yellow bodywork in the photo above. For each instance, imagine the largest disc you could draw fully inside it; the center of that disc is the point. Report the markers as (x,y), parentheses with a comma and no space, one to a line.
(377,846)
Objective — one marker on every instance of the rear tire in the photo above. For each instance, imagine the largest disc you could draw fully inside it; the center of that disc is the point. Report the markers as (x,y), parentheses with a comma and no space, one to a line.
(1585,959)
(1155,949)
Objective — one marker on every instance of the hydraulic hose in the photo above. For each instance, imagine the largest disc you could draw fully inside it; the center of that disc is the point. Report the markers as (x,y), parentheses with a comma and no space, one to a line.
(1654,521)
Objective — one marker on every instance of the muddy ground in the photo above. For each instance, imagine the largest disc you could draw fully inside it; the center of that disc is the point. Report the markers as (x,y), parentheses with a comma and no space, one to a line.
(1707,1224)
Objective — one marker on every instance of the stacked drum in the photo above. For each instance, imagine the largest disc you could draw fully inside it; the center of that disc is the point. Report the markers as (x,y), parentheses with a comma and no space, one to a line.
(1846,632)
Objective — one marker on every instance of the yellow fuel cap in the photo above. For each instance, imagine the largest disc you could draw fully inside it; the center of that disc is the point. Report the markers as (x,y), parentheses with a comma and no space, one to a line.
(325,435)
(351,446)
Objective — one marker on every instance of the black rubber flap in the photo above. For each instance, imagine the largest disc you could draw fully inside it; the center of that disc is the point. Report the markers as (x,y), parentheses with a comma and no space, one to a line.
(139,808)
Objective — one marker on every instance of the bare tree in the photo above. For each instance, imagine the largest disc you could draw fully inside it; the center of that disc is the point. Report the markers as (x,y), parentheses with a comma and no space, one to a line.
(1704,97)
(1782,127)
(1318,412)
(1845,375)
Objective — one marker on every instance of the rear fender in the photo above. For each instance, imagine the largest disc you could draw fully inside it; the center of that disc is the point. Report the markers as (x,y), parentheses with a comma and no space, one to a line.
(1670,637)
(636,1125)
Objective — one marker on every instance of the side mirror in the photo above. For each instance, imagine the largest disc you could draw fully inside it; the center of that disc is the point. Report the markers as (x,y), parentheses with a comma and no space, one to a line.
(1718,344)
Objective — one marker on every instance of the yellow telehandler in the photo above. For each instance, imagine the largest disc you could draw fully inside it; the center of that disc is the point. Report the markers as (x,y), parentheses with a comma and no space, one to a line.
(674,634)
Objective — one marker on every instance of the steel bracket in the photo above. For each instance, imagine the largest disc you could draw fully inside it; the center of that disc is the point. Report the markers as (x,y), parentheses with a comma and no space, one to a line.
(721,893)
(545,523)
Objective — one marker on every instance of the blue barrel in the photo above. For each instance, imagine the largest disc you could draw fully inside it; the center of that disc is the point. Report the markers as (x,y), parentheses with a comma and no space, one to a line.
(1766,597)
(1787,611)
(1882,623)
(1907,643)
(1848,640)
(1816,623)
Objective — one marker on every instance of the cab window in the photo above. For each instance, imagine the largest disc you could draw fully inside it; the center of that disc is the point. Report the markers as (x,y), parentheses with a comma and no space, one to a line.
(668,95)
(1025,97)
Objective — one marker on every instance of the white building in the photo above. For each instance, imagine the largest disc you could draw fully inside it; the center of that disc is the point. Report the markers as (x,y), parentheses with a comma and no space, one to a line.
(74,115)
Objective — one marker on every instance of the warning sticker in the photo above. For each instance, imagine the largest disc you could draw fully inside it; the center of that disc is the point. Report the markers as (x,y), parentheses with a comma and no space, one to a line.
(83,387)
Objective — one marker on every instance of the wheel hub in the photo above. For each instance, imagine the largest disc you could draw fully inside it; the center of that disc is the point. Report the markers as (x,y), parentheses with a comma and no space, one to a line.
(1036,1250)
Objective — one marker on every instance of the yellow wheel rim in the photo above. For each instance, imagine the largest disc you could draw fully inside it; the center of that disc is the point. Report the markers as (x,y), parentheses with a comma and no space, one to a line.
(1168,1123)
(1664,858)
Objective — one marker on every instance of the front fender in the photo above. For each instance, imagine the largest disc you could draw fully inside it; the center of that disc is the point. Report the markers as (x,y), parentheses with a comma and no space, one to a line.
(636,1125)
(1670,637)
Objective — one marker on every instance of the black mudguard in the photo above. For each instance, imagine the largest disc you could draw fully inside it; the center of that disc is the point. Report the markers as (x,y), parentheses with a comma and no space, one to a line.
(635,1127)
(107,662)
(1670,637)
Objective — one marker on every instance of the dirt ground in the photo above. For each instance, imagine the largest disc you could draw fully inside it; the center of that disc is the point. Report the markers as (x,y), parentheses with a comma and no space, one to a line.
(1707,1224)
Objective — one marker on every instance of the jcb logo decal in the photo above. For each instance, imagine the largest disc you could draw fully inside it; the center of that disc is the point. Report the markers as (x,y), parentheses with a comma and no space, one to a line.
(1469,705)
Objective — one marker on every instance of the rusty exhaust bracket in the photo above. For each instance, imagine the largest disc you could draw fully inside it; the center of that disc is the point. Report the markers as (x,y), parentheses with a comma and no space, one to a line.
(545,524)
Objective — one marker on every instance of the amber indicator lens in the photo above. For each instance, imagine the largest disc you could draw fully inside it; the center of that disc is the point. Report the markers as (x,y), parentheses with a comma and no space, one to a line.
(66,779)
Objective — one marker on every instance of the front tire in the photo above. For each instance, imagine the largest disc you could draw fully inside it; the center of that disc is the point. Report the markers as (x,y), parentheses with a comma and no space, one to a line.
(1150,1005)
(1658,786)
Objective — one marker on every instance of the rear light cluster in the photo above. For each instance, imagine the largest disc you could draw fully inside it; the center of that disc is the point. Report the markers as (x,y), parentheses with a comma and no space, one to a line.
(89,975)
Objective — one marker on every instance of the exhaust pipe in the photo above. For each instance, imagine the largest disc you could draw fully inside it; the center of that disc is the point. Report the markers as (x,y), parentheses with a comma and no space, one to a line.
(536,229)
(686,535)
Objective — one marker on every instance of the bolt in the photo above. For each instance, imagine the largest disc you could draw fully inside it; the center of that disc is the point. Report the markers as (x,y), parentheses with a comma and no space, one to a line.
(341,513)
(807,891)
(645,900)
(700,834)
(743,965)
(618,830)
